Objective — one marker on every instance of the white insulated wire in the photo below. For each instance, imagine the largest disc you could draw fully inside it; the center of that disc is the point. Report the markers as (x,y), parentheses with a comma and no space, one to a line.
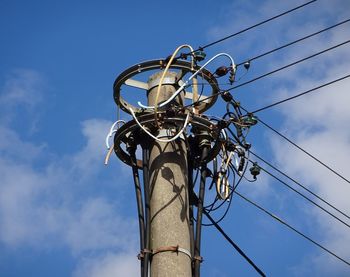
(112,131)
(158,139)
(189,79)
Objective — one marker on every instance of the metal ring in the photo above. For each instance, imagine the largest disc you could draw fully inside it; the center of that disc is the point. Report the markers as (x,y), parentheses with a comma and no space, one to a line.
(132,128)
(126,75)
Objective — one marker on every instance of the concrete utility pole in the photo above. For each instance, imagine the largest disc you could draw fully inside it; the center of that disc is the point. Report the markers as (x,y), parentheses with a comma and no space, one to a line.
(172,152)
(169,207)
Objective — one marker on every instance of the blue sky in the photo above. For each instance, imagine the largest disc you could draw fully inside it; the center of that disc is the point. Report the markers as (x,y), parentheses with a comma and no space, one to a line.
(63,213)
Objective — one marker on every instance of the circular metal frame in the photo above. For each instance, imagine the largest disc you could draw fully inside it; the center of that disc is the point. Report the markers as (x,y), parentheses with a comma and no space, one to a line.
(159,64)
(123,134)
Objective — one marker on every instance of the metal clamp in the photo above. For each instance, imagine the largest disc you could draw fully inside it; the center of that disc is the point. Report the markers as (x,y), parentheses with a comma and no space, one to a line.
(172,249)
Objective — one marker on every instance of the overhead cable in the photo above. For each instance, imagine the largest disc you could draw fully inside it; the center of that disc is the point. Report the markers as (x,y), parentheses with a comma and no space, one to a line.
(304,196)
(301,94)
(256,25)
(288,65)
(235,246)
(303,150)
(294,144)
(299,184)
(297,146)
(294,42)
(292,228)
(270,73)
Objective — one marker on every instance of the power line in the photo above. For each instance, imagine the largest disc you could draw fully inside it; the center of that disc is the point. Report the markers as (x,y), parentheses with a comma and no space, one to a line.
(268,73)
(301,149)
(301,94)
(299,184)
(256,25)
(235,246)
(288,65)
(292,228)
(287,139)
(294,42)
(290,43)
(304,196)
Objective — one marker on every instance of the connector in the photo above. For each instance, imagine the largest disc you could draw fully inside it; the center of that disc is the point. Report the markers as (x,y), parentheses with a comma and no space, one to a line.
(226,96)
(221,71)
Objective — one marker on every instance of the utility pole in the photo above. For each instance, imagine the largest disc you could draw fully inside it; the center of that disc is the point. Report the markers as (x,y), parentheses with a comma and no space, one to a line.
(169,239)
(168,186)
(177,140)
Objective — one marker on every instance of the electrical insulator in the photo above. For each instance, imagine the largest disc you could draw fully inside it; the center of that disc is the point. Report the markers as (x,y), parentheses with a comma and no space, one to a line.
(232,76)
(247,145)
(229,145)
(255,170)
(222,124)
(199,55)
(226,96)
(222,71)
(239,131)
(240,151)
(246,65)
(241,165)
(249,120)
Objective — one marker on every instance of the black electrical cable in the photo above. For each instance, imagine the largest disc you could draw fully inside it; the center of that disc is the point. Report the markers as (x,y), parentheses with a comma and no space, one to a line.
(292,228)
(293,42)
(210,208)
(255,25)
(145,167)
(224,214)
(215,169)
(300,94)
(229,200)
(300,185)
(297,146)
(303,150)
(191,185)
(269,73)
(286,66)
(196,177)
(286,45)
(304,196)
(140,210)
(235,246)
(197,247)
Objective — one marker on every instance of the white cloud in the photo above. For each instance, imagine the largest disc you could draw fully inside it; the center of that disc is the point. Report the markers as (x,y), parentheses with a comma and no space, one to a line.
(98,226)
(21,95)
(47,201)
(49,197)
(18,192)
(22,87)
(85,162)
(317,122)
(112,264)
(13,148)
